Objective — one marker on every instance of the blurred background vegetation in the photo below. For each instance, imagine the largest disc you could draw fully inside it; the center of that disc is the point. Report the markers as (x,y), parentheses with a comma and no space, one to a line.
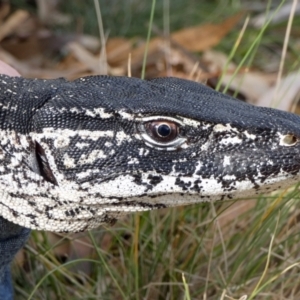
(131,18)
(236,250)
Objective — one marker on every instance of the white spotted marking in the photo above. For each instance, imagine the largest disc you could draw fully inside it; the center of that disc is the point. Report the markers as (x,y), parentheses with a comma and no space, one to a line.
(226,161)
(190,122)
(99,111)
(250,135)
(229,177)
(74,110)
(62,141)
(224,128)
(231,140)
(92,157)
(133,161)
(81,145)
(125,115)
(122,137)
(108,144)
(69,162)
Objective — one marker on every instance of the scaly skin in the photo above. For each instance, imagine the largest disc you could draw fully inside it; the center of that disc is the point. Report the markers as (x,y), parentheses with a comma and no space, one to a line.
(78,154)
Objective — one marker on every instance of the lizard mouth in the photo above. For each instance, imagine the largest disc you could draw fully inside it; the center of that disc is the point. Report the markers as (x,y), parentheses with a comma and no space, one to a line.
(43,164)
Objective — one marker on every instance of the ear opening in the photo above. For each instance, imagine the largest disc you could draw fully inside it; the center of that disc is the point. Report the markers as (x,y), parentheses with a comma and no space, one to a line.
(44,167)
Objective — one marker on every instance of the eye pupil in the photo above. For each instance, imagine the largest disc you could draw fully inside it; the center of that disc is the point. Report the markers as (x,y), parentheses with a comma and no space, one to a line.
(164,130)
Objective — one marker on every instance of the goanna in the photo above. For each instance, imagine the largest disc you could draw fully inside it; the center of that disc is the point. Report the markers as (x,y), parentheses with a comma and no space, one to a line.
(77,154)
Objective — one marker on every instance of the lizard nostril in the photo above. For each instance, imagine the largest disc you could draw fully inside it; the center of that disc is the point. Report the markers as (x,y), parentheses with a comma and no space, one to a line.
(288,140)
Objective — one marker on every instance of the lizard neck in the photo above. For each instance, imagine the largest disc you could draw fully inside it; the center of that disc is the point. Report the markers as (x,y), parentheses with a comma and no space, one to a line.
(17,108)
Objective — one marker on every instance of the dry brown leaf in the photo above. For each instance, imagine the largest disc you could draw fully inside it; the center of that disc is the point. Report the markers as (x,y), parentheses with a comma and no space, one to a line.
(137,54)
(251,84)
(11,24)
(203,37)
(85,57)
(216,61)
(89,42)
(118,50)
(159,55)
(4,11)
(26,69)
(49,14)
(30,49)
(68,62)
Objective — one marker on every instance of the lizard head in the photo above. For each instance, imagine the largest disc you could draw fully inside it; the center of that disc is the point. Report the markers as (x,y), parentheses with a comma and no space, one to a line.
(105,146)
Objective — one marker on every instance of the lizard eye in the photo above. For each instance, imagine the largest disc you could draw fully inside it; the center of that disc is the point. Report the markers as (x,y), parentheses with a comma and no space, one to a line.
(163,133)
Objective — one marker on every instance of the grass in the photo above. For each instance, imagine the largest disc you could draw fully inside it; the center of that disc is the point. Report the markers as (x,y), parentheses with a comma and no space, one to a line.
(204,251)
(172,244)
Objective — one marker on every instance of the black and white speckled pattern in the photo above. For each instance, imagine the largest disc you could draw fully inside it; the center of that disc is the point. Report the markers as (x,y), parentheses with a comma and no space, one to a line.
(76,154)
